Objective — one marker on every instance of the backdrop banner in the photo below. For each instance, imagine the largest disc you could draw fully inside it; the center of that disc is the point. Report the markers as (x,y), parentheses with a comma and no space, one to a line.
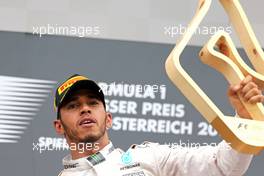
(145,105)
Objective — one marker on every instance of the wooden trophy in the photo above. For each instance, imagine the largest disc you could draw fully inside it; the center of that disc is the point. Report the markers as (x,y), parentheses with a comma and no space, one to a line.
(244,135)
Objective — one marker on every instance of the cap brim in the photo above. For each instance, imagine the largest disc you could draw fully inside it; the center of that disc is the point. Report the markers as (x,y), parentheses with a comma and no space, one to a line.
(84,84)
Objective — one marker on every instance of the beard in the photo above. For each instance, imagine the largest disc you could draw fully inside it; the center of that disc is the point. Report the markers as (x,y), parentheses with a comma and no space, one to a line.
(74,135)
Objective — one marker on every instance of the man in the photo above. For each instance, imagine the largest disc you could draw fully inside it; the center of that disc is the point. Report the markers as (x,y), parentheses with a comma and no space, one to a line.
(82,119)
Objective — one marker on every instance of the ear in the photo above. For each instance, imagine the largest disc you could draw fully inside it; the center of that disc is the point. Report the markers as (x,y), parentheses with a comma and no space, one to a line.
(58,126)
(109,120)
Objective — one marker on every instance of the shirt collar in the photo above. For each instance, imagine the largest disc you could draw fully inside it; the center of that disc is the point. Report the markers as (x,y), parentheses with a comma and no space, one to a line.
(90,161)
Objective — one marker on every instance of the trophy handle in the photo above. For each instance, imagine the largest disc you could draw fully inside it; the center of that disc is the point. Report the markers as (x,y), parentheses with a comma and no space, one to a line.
(245,33)
(244,135)
(232,66)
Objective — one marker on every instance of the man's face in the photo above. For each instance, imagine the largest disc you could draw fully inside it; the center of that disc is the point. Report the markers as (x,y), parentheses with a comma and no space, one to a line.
(83,117)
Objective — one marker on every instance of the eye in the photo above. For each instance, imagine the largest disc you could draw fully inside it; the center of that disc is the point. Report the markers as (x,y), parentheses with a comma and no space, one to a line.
(93,103)
(72,105)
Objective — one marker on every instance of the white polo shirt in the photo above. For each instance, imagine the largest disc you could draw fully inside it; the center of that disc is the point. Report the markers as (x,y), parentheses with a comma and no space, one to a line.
(152,159)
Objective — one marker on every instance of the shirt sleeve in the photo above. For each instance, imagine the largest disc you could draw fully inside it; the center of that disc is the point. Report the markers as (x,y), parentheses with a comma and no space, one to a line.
(220,160)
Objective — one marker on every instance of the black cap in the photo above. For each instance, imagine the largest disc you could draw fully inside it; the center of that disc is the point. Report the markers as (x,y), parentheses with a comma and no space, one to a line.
(73,83)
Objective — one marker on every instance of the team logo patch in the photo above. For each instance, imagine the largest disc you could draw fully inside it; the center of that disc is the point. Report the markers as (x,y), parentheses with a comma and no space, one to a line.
(126,158)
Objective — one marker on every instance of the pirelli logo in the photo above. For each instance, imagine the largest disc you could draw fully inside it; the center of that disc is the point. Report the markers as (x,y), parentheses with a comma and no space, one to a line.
(69,83)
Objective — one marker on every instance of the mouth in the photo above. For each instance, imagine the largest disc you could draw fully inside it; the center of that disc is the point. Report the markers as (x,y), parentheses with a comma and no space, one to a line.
(87,122)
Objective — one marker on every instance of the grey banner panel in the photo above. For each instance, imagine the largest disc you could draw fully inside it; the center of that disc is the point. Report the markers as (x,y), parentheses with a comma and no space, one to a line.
(31,67)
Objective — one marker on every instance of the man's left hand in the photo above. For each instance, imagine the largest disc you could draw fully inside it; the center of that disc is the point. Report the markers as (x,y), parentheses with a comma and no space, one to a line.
(249,92)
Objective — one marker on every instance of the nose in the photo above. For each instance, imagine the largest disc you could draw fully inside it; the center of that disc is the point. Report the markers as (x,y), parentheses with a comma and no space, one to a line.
(85,109)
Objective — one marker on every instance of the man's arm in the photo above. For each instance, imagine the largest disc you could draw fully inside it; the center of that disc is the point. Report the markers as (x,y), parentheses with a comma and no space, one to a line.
(221,160)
